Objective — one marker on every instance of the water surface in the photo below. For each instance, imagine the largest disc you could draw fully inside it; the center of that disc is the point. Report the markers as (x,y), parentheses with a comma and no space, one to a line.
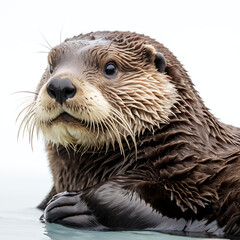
(25,225)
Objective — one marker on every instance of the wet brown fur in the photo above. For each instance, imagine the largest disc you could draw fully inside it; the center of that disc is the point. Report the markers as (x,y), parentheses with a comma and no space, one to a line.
(192,160)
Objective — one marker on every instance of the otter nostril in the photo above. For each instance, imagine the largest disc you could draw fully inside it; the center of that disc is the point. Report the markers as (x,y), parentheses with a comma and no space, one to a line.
(61,89)
(70,92)
(51,93)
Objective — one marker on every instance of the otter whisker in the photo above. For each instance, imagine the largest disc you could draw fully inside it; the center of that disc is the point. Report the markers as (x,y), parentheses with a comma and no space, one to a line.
(30,113)
(31,131)
(35,93)
(24,109)
(49,46)
(45,46)
(25,101)
(61,35)
(42,52)
(28,123)
(37,129)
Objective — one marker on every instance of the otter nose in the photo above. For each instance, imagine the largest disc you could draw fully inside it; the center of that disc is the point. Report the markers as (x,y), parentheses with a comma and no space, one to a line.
(60,89)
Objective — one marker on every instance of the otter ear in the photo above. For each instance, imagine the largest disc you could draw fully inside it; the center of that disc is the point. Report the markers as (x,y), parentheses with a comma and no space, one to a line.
(160,62)
(157,58)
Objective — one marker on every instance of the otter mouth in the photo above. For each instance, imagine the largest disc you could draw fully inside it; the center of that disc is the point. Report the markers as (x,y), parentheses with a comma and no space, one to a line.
(69,119)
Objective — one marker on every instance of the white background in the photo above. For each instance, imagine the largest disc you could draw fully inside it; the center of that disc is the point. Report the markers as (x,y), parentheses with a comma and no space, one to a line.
(204,35)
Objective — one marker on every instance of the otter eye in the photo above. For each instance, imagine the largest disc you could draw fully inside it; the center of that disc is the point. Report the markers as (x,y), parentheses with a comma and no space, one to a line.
(110,69)
(50,68)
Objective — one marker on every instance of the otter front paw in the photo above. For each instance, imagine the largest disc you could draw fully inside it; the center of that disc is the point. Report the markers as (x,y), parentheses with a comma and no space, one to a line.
(70,210)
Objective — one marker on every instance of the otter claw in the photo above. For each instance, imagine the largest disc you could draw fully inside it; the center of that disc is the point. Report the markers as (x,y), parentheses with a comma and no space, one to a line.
(69,209)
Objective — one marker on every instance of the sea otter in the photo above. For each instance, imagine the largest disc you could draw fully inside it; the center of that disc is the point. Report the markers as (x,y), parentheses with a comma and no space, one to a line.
(130,142)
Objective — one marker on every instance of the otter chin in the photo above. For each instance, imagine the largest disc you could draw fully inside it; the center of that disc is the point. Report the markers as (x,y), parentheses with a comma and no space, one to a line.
(130,143)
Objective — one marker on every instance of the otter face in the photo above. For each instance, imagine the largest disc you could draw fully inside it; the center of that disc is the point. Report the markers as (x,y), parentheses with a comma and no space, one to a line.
(98,91)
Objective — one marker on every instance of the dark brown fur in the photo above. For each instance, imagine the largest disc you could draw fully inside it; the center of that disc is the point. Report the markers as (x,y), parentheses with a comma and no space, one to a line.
(188,169)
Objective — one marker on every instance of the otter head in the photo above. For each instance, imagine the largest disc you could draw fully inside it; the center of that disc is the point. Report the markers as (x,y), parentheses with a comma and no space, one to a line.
(101,89)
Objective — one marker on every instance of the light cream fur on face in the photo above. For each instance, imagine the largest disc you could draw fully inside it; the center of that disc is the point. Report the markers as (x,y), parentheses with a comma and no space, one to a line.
(88,106)
(107,113)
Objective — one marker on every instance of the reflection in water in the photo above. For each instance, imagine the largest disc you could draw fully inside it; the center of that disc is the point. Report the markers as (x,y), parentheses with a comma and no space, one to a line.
(25,225)
(58,232)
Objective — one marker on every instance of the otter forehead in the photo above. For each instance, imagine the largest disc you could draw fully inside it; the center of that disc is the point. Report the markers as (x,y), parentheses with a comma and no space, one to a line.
(83,46)
(77,53)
